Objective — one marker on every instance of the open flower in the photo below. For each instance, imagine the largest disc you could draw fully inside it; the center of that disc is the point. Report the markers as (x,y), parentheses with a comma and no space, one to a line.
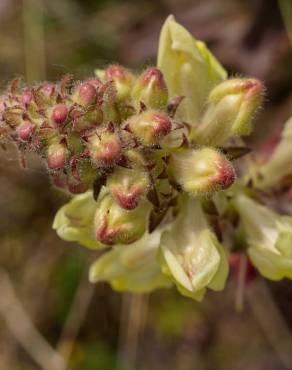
(188,67)
(268,237)
(133,267)
(74,221)
(278,167)
(191,255)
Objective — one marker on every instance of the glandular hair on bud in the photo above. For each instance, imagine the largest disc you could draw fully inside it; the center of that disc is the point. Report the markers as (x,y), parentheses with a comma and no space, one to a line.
(57,155)
(231,107)
(60,114)
(149,126)
(128,186)
(115,225)
(201,171)
(150,89)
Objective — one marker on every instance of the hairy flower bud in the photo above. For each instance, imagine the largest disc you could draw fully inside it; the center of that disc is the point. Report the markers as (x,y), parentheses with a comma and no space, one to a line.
(25,130)
(231,106)
(149,126)
(123,80)
(127,186)
(115,225)
(105,147)
(150,88)
(57,155)
(60,114)
(13,116)
(201,171)
(26,97)
(85,94)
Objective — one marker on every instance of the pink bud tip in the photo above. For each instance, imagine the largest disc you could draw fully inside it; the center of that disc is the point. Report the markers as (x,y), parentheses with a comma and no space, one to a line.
(60,113)
(253,88)
(26,97)
(25,130)
(110,153)
(115,70)
(95,82)
(56,159)
(48,90)
(87,93)
(162,124)
(226,175)
(153,74)
(104,234)
(128,200)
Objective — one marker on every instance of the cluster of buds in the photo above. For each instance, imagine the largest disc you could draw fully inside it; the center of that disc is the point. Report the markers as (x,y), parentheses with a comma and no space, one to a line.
(120,131)
(145,158)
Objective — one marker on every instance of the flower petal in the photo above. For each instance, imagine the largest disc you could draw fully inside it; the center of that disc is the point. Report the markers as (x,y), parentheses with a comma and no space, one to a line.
(188,67)
(133,267)
(74,221)
(190,254)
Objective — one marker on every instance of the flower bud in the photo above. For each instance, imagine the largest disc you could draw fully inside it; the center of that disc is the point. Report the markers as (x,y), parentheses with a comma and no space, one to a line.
(85,94)
(127,186)
(44,95)
(115,225)
(105,147)
(57,155)
(26,97)
(60,114)
(87,120)
(123,80)
(25,130)
(95,82)
(231,106)
(13,116)
(201,171)
(149,126)
(150,88)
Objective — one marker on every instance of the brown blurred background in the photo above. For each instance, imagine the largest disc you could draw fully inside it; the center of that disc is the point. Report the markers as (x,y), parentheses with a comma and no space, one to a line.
(47,307)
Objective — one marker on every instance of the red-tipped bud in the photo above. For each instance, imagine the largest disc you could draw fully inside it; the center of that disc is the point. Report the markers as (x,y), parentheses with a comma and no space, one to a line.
(85,94)
(115,225)
(95,82)
(25,130)
(201,171)
(60,114)
(123,80)
(127,186)
(149,126)
(105,148)
(13,116)
(57,155)
(48,90)
(231,107)
(26,97)
(150,88)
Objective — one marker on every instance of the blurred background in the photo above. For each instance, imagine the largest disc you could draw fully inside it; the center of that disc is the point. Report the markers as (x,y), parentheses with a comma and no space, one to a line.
(49,313)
